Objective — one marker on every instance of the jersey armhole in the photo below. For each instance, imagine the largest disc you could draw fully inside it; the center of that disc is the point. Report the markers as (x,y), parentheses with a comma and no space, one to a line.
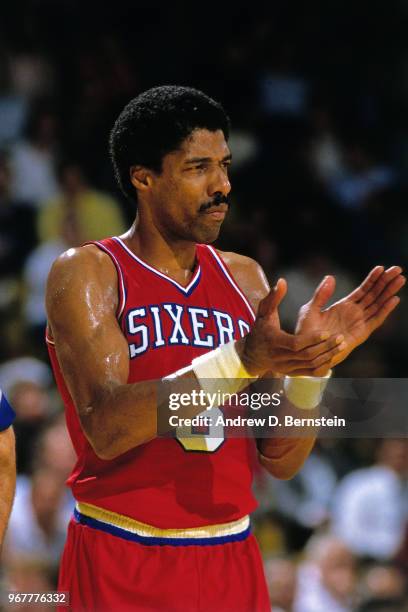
(121,290)
(121,282)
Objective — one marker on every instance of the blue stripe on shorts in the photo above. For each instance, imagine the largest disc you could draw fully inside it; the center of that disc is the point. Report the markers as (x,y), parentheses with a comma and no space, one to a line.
(155,541)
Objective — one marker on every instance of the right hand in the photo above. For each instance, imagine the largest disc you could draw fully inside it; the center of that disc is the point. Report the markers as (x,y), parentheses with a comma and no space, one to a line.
(268,348)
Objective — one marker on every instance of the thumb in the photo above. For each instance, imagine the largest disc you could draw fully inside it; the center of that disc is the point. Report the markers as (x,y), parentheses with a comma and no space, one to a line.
(323,292)
(270,303)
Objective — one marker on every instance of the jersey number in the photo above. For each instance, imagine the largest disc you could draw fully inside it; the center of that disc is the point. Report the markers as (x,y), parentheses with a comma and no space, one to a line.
(206,439)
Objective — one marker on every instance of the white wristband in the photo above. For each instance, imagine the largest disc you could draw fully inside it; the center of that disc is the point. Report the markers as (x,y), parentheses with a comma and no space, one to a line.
(305,392)
(225,365)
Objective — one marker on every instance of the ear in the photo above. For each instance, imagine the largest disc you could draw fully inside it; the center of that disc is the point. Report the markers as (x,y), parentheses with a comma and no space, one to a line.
(140,177)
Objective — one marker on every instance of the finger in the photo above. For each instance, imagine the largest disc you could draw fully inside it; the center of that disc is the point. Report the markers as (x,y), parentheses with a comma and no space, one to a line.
(394,270)
(324,292)
(370,311)
(383,281)
(313,352)
(306,371)
(315,373)
(322,371)
(385,310)
(270,303)
(319,360)
(391,289)
(299,342)
(367,284)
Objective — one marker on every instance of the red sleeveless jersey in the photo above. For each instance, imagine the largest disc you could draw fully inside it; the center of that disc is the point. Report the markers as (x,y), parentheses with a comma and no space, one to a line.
(165,482)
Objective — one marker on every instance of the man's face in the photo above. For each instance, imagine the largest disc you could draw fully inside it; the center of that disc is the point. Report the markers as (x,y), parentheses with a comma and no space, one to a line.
(187,200)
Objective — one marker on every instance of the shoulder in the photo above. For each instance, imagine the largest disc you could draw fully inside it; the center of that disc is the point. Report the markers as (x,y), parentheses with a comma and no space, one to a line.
(240,264)
(248,274)
(79,272)
(86,259)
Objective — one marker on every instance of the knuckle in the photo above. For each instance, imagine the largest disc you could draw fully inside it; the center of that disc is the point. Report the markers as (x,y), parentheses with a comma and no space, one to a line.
(308,354)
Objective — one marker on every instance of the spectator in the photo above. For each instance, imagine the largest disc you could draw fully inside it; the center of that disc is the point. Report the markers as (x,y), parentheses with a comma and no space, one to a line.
(325,155)
(33,159)
(362,178)
(32,405)
(306,498)
(370,506)
(26,575)
(281,580)
(54,449)
(383,586)
(37,267)
(24,369)
(95,214)
(16,225)
(40,515)
(43,507)
(327,578)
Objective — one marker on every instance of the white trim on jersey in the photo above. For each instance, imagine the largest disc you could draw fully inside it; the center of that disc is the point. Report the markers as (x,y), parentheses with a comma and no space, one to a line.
(122,292)
(48,339)
(185,290)
(231,280)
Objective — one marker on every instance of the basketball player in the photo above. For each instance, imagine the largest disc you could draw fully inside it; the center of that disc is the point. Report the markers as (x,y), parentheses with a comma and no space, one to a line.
(7,463)
(162,523)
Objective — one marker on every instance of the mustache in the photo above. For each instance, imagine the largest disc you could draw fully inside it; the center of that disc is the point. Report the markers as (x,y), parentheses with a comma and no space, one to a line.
(219,198)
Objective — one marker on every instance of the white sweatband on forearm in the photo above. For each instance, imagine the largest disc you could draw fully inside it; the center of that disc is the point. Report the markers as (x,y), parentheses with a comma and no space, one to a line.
(305,392)
(225,365)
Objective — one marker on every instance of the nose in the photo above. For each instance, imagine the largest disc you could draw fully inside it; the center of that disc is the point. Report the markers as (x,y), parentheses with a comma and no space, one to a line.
(219,182)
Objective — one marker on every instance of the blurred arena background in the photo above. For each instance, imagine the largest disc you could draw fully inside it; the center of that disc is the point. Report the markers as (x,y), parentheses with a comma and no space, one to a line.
(317,94)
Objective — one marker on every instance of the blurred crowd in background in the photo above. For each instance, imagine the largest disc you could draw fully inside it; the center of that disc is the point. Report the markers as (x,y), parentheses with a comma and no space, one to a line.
(317,98)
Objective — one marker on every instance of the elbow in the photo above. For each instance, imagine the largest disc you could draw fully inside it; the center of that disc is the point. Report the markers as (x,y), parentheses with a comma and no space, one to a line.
(107,443)
(109,450)
(279,469)
(284,474)
(105,447)
(105,453)
(100,447)
(284,458)
(101,441)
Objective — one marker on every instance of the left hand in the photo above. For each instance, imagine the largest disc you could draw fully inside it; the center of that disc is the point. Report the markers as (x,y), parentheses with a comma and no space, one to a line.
(357,315)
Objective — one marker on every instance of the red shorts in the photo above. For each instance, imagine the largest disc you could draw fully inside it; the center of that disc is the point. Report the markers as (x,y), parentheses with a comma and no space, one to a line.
(107,572)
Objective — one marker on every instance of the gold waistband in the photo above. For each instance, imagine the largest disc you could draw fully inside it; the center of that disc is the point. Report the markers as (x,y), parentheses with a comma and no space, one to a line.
(144,530)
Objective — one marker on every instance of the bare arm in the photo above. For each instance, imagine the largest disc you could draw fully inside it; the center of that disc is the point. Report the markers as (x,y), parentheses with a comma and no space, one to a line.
(93,353)
(282,457)
(7,477)
(354,318)
(94,356)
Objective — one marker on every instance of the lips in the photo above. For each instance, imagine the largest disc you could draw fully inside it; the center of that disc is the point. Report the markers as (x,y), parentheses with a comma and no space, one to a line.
(221,208)
(216,215)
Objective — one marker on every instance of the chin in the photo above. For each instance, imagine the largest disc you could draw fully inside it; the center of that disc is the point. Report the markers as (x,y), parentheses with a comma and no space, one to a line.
(201,231)
(205,234)
(207,237)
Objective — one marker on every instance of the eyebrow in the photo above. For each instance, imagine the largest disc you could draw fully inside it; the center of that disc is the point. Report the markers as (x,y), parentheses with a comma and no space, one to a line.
(198,160)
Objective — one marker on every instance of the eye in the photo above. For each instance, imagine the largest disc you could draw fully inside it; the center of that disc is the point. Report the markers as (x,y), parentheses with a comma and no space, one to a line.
(201,167)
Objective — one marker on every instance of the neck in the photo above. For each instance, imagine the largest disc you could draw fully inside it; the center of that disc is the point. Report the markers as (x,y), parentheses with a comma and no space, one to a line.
(169,255)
